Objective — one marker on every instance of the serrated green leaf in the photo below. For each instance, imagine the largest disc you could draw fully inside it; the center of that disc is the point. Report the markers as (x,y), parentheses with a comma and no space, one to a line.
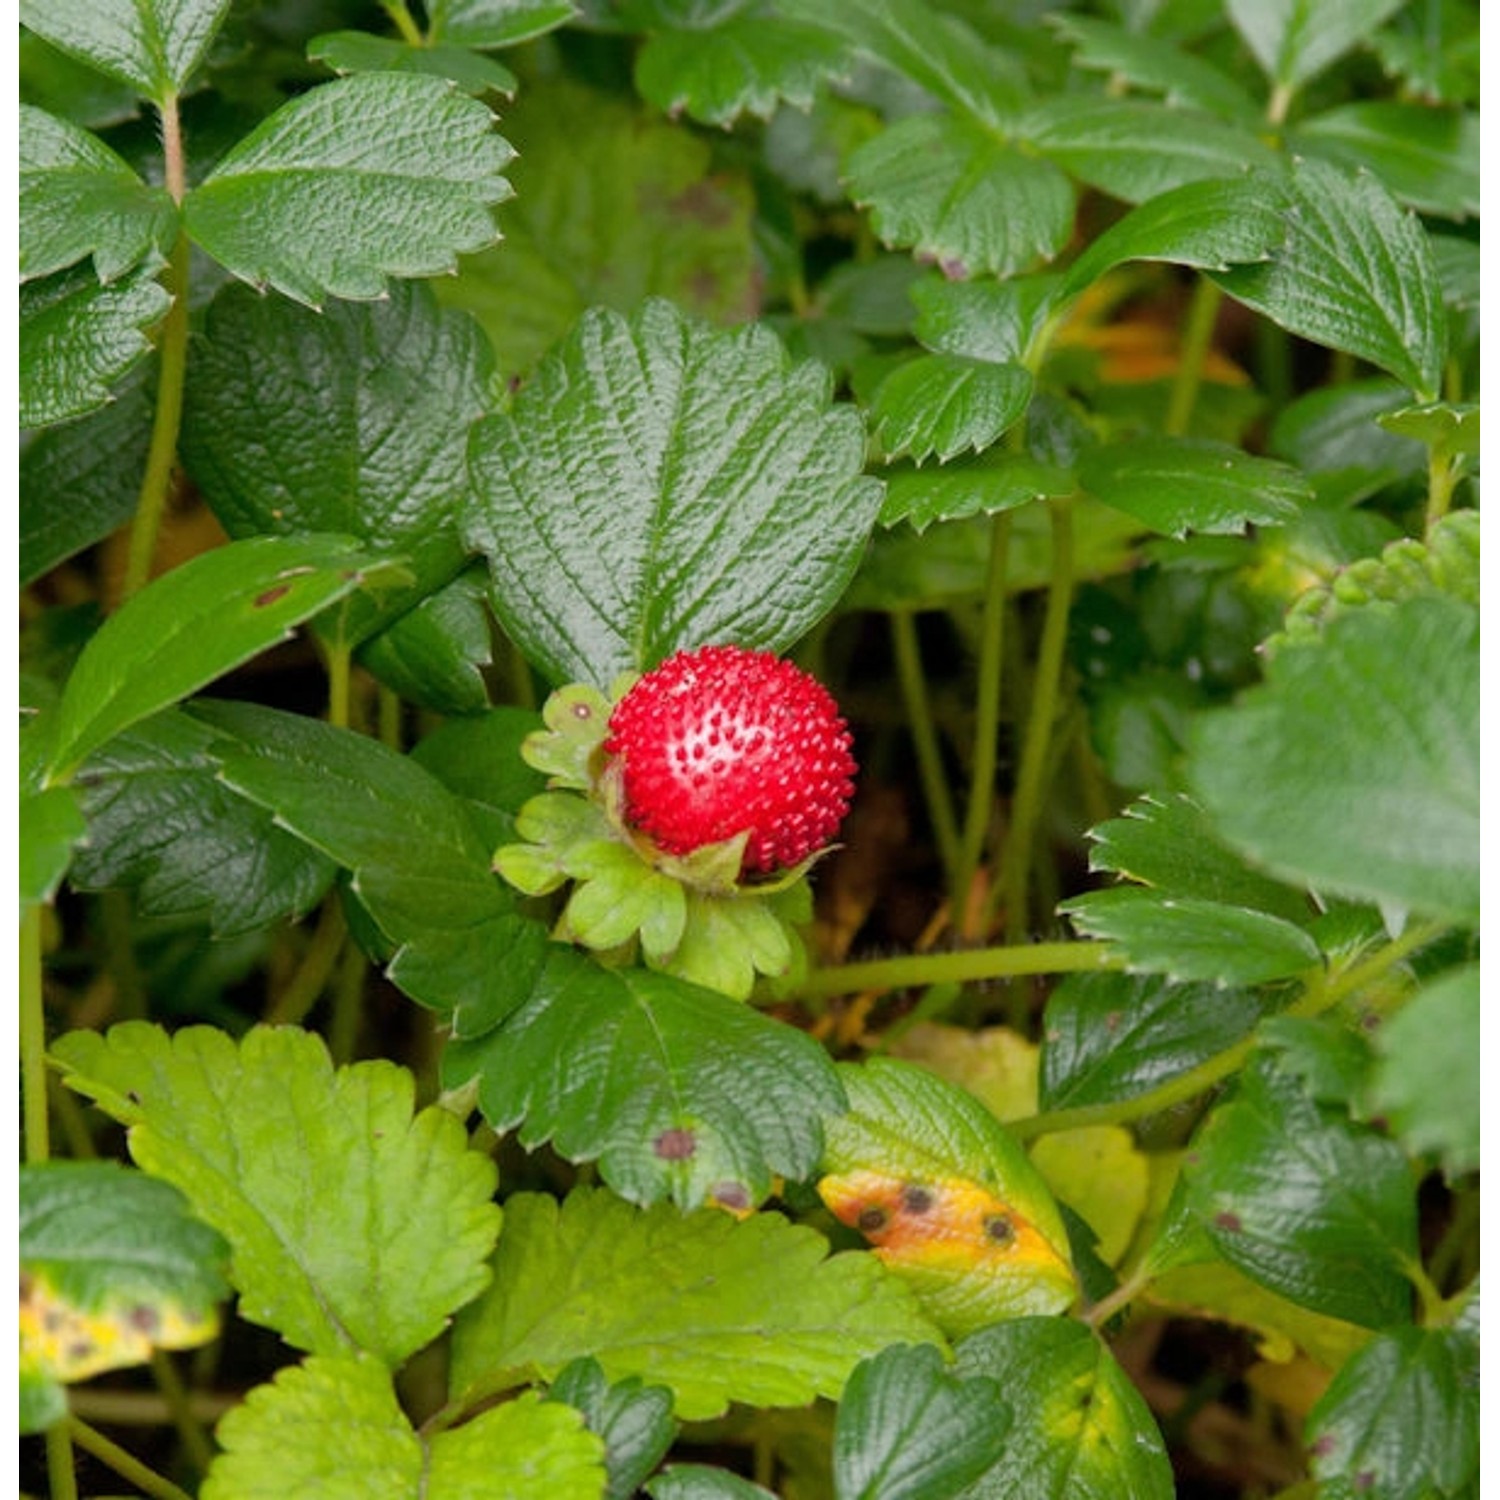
(434,654)
(659,484)
(353,1223)
(1114,1036)
(950,1201)
(715,1308)
(1136,149)
(951,191)
(998,482)
(1329,1054)
(613,205)
(1304,1201)
(992,320)
(153,45)
(354,420)
(78,338)
(943,403)
(333,1427)
(374,176)
(1177,485)
(495,23)
(675,1090)
(78,199)
(632,1419)
(1355,767)
(748,65)
(1401,1419)
(192,625)
(908,1430)
(112,1267)
(160,822)
(1356,273)
(358,52)
(1295,40)
(1446,428)
(51,824)
(1080,1429)
(1426,1082)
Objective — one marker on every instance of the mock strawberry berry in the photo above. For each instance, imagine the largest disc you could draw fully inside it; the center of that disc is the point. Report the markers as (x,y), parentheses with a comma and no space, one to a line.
(719,740)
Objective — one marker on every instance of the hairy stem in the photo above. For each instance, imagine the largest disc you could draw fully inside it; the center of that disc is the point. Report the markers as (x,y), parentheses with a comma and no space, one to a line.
(126,1465)
(961,966)
(924,737)
(1203,313)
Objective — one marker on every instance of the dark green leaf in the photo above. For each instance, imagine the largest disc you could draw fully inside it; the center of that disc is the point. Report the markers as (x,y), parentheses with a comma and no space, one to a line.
(659,484)
(153,45)
(908,1430)
(161,822)
(496,23)
(77,338)
(633,1420)
(993,320)
(1426,1083)
(1001,481)
(1177,485)
(700,1482)
(1335,430)
(943,403)
(1113,1036)
(1318,1209)
(374,176)
(65,85)
(479,757)
(951,191)
(1294,40)
(359,52)
(434,654)
(1355,767)
(354,420)
(675,1090)
(1330,1055)
(192,625)
(1356,273)
(1401,1419)
(79,199)
(1081,1428)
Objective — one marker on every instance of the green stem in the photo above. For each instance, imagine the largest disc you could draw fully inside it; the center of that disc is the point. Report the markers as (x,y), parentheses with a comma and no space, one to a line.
(1203,314)
(195,1440)
(311,978)
(1462,1230)
(389,716)
(339,658)
(1442,479)
(410,33)
(33,1039)
(1026,809)
(126,1465)
(960,966)
(151,506)
(908,655)
(348,999)
(62,1479)
(981,804)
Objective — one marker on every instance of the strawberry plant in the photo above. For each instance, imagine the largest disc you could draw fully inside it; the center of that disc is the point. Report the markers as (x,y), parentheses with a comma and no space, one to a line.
(749,749)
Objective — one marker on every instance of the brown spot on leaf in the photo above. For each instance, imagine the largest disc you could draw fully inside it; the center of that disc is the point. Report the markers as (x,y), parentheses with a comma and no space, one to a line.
(675,1144)
(873,1219)
(999,1230)
(271,595)
(734,1196)
(144,1318)
(1229,1222)
(582,711)
(704,203)
(916,1199)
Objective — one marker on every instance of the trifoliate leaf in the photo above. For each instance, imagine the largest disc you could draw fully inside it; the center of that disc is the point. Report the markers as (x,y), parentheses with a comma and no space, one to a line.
(78,199)
(995,483)
(153,45)
(632,1419)
(373,176)
(1295,40)
(495,23)
(954,193)
(353,1224)
(359,52)
(113,1266)
(78,338)
(659,484)
(333,1428)
(353,420)
(162,823)
(943,404)
(950,1201)
(675,1090)
(1080,1427)
(1355,767)
(716,1308)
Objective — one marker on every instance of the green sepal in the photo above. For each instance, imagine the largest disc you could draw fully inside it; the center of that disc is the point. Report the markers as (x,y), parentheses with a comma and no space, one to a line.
(577,720)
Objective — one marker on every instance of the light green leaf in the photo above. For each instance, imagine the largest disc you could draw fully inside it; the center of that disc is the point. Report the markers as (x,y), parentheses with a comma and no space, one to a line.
(77,338)
(632,1419)
(748,65)
(153,45)
(112,1267)
(495,23)
(354,420)
(1136,149)
(1426,1083)
(1356,273)
(715,1308)
(78,198)
(333,1428)
(908,1430)
(948,1198)
(1355,767)
(1080,1427)
(359,52)
(353,1224)
(192,625)
(674,1089)
(1448,429)
(1295,40)
(951,191)
(373,176)
(51,824)
(659,484)
(944,403)
(1177,485)
(998,482)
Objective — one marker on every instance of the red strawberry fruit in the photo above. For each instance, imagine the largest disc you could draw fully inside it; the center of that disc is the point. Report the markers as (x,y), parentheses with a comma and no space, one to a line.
(720,740)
